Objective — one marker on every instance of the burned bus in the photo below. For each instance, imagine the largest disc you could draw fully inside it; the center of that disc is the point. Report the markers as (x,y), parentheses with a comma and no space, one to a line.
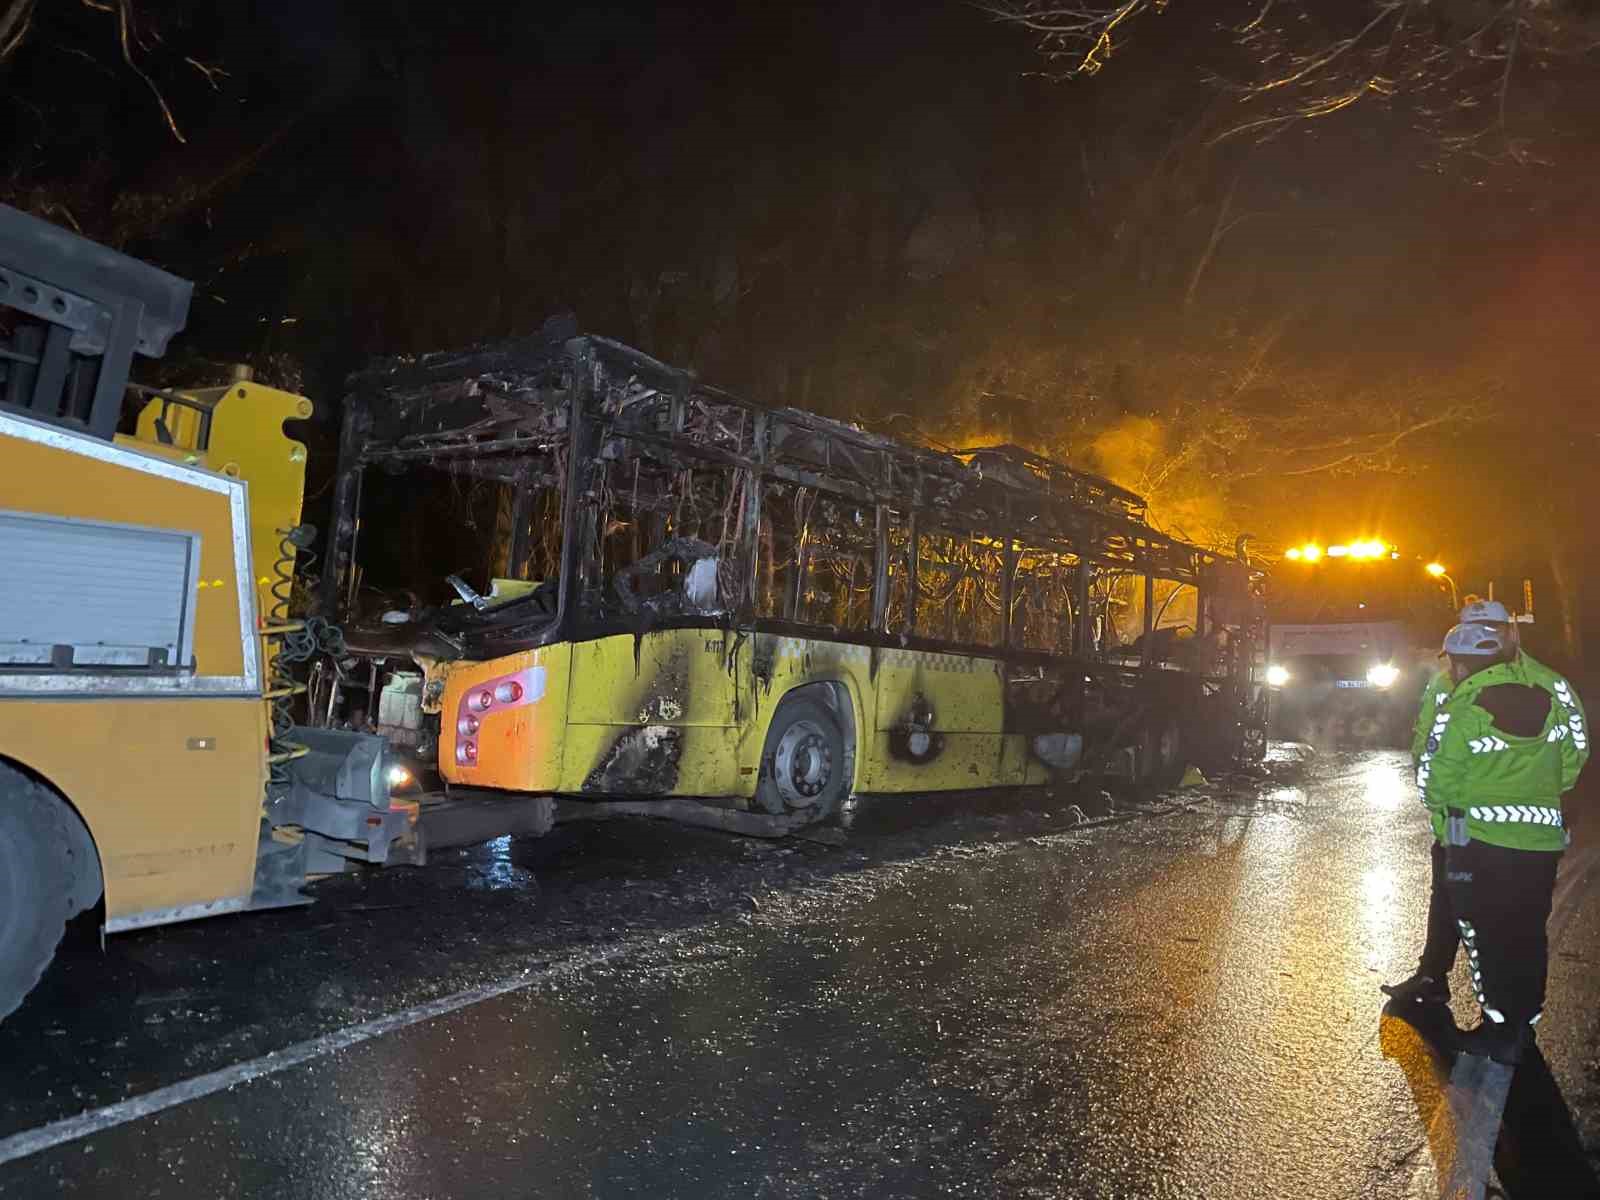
(577,582)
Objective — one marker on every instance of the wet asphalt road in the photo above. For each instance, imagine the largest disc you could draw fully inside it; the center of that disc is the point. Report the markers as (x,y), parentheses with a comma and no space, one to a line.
(990,1001)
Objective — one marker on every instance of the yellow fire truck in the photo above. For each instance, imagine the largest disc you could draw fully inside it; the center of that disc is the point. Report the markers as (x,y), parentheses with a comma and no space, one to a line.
(136,677)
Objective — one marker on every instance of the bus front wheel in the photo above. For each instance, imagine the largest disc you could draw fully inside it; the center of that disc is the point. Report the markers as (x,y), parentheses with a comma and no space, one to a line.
(42,881)
(803,762)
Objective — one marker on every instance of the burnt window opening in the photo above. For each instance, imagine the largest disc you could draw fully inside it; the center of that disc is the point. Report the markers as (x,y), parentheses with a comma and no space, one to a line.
(662,536)
(495,525)
(1042,612)
(959,595)
(816,557)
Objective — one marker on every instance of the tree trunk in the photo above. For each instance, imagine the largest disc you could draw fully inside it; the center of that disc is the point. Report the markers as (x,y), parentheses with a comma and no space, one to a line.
(1567,601)
(1220,225)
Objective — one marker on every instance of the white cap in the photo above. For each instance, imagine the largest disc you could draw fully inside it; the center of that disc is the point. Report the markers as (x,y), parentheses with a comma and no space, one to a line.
(1485,610)
(1475,640)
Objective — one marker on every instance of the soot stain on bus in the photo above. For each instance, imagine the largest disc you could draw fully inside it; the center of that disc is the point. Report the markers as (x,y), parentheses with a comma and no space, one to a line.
(642,762)
(914,739)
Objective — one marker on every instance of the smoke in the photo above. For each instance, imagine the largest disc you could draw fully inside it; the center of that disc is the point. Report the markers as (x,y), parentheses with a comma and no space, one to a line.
(1151,455)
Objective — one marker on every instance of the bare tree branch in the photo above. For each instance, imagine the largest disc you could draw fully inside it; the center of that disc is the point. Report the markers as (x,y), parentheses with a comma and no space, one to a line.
(1452,61)
(1081,34)
(1366,450)
(1221,226)
(18,26)
(211,73)
(15,22)
(124,37)
(1334,51)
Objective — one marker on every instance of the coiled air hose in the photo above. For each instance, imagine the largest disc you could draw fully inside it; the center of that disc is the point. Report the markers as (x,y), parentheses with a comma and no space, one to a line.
(297,642)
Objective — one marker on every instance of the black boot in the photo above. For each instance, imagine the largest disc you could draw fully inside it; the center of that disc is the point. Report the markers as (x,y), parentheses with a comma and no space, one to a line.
(1502,1041)
(1419,989)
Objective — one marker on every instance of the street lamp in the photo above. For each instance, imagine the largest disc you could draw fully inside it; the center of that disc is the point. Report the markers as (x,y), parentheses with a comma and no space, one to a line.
(1438,572)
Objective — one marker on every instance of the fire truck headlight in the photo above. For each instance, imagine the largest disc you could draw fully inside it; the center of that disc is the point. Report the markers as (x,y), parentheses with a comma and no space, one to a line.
(1277,676)
(1382,675)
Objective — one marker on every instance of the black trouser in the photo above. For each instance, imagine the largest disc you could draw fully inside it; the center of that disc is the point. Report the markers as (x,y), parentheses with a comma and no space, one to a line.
(1444,935)
(1500,899)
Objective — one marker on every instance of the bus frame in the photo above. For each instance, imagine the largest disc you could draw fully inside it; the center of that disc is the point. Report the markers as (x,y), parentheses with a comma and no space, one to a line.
(652,703)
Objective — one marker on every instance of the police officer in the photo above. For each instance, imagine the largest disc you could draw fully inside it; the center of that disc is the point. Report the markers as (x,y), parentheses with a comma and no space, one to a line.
(1428,984)
(1506,737)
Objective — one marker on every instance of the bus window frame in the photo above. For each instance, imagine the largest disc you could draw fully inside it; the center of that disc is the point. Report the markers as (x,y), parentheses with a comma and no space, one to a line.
(802,449)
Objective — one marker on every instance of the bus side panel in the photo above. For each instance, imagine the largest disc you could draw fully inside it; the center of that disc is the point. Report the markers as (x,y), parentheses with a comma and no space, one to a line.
(699,727)
(653,760)
(170,790)
(660,715)
(677,677)
(939,724)
(519,744)
(778,665)
(960,761)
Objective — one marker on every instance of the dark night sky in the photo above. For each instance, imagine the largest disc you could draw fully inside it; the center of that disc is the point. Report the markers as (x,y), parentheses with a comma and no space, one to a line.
(868,209)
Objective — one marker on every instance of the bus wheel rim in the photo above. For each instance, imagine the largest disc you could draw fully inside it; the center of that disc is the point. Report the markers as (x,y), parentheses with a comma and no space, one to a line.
(803,764)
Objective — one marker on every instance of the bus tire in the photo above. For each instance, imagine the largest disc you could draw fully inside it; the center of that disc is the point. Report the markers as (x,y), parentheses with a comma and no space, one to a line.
(1163,756)
(803,761)
(42,881)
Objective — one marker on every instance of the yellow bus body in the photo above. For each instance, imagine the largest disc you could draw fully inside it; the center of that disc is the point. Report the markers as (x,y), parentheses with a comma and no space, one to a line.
(594,715)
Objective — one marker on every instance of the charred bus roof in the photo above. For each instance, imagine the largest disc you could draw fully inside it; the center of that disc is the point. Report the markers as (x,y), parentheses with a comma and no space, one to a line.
(514,398)
(545,410)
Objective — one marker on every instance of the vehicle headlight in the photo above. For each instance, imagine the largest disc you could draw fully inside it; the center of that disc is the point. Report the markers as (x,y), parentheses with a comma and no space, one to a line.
(1382,674)
(1277,676)
(399,776)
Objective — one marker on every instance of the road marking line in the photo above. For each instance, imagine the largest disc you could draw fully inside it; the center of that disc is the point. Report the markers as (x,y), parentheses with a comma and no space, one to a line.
(98,1120)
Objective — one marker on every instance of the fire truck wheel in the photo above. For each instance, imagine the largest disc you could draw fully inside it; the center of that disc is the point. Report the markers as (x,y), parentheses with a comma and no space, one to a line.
(41,886)
(803,763)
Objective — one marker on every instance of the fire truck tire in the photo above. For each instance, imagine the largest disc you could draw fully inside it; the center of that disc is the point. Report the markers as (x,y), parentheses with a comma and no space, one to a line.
(803,761)
(42,881)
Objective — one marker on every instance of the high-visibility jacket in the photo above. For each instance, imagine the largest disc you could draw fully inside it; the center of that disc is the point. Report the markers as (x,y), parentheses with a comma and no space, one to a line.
(1482,783)
(1574,750)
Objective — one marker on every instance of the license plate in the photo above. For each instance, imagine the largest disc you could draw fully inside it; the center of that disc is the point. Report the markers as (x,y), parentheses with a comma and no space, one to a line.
(1351,683)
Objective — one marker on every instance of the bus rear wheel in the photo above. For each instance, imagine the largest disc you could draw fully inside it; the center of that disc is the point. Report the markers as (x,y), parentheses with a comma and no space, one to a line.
(1163,757)
(803,762)
(38,893)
